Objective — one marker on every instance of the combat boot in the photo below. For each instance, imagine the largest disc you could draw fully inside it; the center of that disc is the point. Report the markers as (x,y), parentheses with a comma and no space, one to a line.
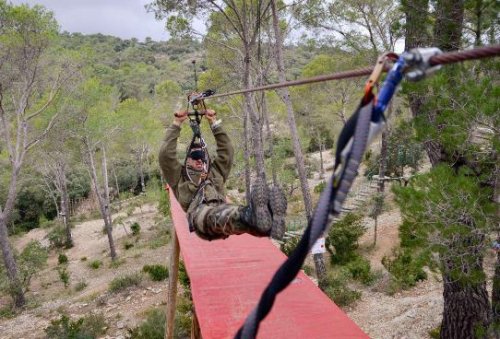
(257,216)
(278,205)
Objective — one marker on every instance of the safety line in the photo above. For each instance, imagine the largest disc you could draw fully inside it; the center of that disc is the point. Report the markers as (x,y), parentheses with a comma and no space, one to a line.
(442,59)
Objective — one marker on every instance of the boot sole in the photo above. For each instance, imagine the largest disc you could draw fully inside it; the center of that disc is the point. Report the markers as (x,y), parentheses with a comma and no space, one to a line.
(278,205)
(259,199)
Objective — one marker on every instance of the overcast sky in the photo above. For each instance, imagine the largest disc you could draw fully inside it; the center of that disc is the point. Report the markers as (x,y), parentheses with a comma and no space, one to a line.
(122,18)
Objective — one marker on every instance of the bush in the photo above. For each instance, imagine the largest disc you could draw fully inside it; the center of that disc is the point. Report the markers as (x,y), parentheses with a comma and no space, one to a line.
(336,288)
(62,259)
(80,286)
(64,275)
(88,327)
(289,245)
(319,188)
(95,264)
(343,236)
(57,236)
(360,269)
(32,260)
(405,269)
(135,228)
(156,272)
(128,245)
(124,281)
(152,328)
(164,204)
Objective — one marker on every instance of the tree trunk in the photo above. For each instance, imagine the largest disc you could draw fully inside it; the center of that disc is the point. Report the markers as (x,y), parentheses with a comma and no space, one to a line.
(141,169)
(319,260)
(65,208)
(270,138)
(321,163)
(383,162)
(16,290)
(102,203)
(495,295)
(246,156)
(466,309)
(375,229)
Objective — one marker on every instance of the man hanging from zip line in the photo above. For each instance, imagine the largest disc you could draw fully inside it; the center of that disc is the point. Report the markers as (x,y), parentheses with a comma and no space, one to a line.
(202,194)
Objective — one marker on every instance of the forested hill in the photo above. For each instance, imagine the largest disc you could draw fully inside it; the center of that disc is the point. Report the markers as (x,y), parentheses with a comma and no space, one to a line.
(82,118)
(136,68)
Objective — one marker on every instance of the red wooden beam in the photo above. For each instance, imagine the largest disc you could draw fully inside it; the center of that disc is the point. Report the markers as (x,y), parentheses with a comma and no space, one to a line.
(228,277)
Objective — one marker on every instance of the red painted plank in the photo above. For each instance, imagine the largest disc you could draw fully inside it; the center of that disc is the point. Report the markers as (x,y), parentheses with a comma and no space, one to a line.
(228,277)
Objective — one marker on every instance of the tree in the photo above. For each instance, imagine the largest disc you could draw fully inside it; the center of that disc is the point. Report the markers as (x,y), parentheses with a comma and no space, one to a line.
(95,130)
(30,82)
(458,192)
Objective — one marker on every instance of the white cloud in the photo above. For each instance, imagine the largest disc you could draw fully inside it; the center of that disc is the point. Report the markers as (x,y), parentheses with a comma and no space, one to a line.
(123,18)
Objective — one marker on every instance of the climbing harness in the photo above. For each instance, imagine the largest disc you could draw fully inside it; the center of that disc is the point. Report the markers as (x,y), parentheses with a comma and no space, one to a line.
(197,145)
(363,126)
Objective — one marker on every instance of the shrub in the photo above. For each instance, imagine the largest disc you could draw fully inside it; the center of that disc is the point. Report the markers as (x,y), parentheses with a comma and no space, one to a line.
(164,204)
(360,269)
(122,282)
(32,260)
(135,228)
(95,264)
(62,259)
(64,275)
(156,272)
(88,327)
(289,245)
(319,188)
(83,259)
(152,328)
(57,236)
(343,236)
(117,262)
(405,269)
(336,288)
(128,245)
(80,285)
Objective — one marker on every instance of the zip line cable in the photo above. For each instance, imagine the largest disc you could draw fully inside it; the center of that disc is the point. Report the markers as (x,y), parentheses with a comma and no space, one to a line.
(442,59)
(362,127)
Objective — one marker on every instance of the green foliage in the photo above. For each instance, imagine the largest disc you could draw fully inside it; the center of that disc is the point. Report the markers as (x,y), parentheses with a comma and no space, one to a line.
(288,245)
(95,264)
(88,327)
(122,282)
(32,260)
(64,275)
(152,328)
(343,236)
(320,140)
(435,333)
(360,269)
(80,286)
(57,236)
(336,288)
(62,259)
(319,188)
(164,204)
(454,210)
(184,278)
(403,151)
(156,272)
(406,269)
(135,228)
(128,245)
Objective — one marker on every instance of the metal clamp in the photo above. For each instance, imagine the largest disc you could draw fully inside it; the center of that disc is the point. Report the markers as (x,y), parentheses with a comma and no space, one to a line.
(417,60)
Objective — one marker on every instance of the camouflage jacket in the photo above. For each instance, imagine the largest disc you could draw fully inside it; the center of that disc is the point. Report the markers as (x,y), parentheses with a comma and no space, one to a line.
(174,172)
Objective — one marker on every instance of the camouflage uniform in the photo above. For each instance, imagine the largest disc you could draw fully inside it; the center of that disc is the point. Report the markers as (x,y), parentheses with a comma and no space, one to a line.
(208,214)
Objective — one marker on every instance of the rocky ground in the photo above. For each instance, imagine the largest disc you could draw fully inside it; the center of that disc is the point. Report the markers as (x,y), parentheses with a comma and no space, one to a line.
(408,314)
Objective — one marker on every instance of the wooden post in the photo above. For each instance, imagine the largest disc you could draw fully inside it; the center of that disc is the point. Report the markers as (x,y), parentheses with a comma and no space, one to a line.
(172,286)
(195,328)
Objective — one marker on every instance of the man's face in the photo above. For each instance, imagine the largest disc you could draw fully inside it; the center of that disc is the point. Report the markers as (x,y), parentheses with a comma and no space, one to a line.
(195,159)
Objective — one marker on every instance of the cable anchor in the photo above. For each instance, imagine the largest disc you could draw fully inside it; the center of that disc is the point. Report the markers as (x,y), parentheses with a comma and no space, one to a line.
(418,62)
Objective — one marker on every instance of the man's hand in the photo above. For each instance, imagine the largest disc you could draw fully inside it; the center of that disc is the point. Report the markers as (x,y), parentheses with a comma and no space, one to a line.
(179,117)
(211,116)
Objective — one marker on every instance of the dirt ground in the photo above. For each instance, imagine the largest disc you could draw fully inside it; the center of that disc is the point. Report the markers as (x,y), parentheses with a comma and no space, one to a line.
(409,314)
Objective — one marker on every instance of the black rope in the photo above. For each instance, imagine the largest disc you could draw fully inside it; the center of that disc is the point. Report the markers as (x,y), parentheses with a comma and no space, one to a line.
(328,206)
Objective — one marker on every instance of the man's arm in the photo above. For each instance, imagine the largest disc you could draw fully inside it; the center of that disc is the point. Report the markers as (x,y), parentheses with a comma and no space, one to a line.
(170,166)
(225,152)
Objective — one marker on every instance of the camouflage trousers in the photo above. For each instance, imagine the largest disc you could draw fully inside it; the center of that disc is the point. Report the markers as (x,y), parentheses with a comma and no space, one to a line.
(217,220)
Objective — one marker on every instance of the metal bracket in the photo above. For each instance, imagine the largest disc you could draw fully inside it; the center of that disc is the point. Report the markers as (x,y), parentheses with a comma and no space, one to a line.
(417,60)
